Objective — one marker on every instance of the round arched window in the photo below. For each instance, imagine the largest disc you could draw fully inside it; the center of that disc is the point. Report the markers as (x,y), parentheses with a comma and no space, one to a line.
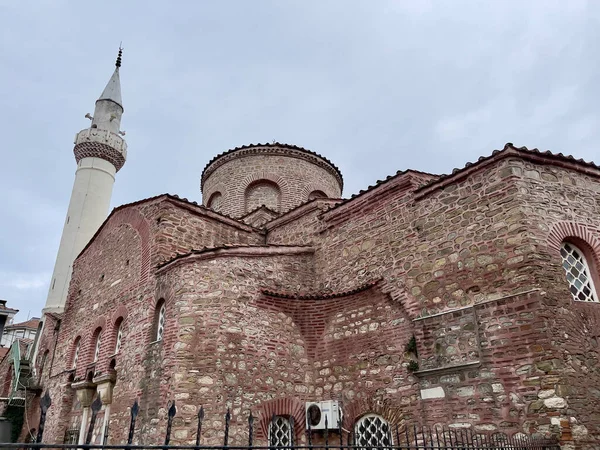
(372,431)
(578,273)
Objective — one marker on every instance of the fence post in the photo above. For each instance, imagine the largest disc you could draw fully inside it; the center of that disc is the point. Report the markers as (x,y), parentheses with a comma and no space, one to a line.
(199,427)
(250,429)
(135,409)
(227,420)
(172,412)
(45,403)
(96,405)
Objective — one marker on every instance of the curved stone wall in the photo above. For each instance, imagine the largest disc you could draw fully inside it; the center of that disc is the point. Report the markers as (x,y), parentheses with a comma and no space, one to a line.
(278,176)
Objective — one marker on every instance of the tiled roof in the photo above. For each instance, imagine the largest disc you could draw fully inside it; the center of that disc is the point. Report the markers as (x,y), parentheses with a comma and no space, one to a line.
(508,147)
(320,295)
(379,183)
(31,323)
(167,196)
(273,145)
(470,165)
(4,351)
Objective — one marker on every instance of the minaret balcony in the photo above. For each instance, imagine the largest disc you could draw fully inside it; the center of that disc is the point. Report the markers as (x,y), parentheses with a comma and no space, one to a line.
(103,137)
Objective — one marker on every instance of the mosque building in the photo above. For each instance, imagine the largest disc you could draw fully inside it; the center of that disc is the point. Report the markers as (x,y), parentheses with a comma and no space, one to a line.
(467,300)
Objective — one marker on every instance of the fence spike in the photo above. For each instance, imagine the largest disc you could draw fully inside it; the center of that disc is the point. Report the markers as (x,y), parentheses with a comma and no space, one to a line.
(45,403)
(171,414)
(326,433)
(199,427)
(95,407)
(416,436)
(135,409)
(227,420)
(340,427)
(250,429)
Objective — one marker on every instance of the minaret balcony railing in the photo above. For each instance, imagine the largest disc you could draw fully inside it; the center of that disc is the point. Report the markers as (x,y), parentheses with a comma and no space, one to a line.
(104,137)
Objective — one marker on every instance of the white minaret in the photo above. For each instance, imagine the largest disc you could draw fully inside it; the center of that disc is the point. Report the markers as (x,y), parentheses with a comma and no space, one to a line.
(100,152)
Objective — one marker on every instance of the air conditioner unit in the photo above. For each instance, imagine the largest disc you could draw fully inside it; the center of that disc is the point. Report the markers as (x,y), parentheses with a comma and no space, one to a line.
(317,412)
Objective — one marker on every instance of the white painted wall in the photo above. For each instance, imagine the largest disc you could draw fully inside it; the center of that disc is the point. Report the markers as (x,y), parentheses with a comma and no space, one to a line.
(10,336)
(88,208)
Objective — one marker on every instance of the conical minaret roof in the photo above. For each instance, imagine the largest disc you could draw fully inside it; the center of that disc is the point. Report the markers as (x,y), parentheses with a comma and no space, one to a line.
(112,91)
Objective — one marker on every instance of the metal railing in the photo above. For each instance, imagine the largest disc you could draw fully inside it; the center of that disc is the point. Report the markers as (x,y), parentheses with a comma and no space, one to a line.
(406,437)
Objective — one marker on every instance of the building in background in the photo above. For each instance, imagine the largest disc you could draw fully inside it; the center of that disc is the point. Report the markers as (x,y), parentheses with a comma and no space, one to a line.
(6,316)
(22,330)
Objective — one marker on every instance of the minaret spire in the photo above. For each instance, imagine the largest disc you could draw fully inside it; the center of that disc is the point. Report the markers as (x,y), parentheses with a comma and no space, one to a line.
(100,152)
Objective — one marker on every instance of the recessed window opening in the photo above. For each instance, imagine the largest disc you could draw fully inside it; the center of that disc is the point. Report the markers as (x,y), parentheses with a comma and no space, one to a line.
(373,431)
(76,353)
(119,337)
(280,432)
(98,346)
(160,315)
(578,272)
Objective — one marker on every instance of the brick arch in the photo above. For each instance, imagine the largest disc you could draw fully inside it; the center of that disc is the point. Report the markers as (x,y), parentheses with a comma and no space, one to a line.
(129,216)
(564,230)
(264,175)
(281,182)
(219,187)
(274,189)
(77,341)
(121,312)
(585,238)
(291,407)
(368,405)
(307,189)
(119,316)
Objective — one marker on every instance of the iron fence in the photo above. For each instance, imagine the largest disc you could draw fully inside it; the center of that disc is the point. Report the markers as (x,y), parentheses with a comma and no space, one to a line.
(407,437)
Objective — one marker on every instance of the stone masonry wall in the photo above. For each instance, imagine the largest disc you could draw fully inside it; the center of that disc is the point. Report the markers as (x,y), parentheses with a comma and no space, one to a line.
(113,280)
(296,178)
(468,243)
(564,204)
(233,345)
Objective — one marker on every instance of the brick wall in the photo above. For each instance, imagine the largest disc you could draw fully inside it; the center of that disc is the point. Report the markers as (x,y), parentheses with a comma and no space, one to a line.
(469,266)
(113,279)
(285,180)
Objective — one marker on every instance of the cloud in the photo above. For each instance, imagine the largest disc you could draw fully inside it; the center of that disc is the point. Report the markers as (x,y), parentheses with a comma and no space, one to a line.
(24,281)
(373,87)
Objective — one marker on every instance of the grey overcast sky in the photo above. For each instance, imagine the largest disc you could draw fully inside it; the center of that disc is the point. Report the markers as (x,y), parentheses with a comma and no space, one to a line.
(376,86)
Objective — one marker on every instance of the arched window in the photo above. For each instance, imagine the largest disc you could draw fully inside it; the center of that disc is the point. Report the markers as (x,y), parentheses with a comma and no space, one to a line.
(280,432)
(317,194)
(119,336)
(214,202)
(262,192)
(160,316)
(76,353)
(98,345)
(579,275)
(372,431)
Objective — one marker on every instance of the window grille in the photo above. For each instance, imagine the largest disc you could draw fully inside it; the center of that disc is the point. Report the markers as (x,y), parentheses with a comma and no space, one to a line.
(578,273)
(160,325)
(280,432)
(119,338)
(372,431)
(98,343)
(76,354)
